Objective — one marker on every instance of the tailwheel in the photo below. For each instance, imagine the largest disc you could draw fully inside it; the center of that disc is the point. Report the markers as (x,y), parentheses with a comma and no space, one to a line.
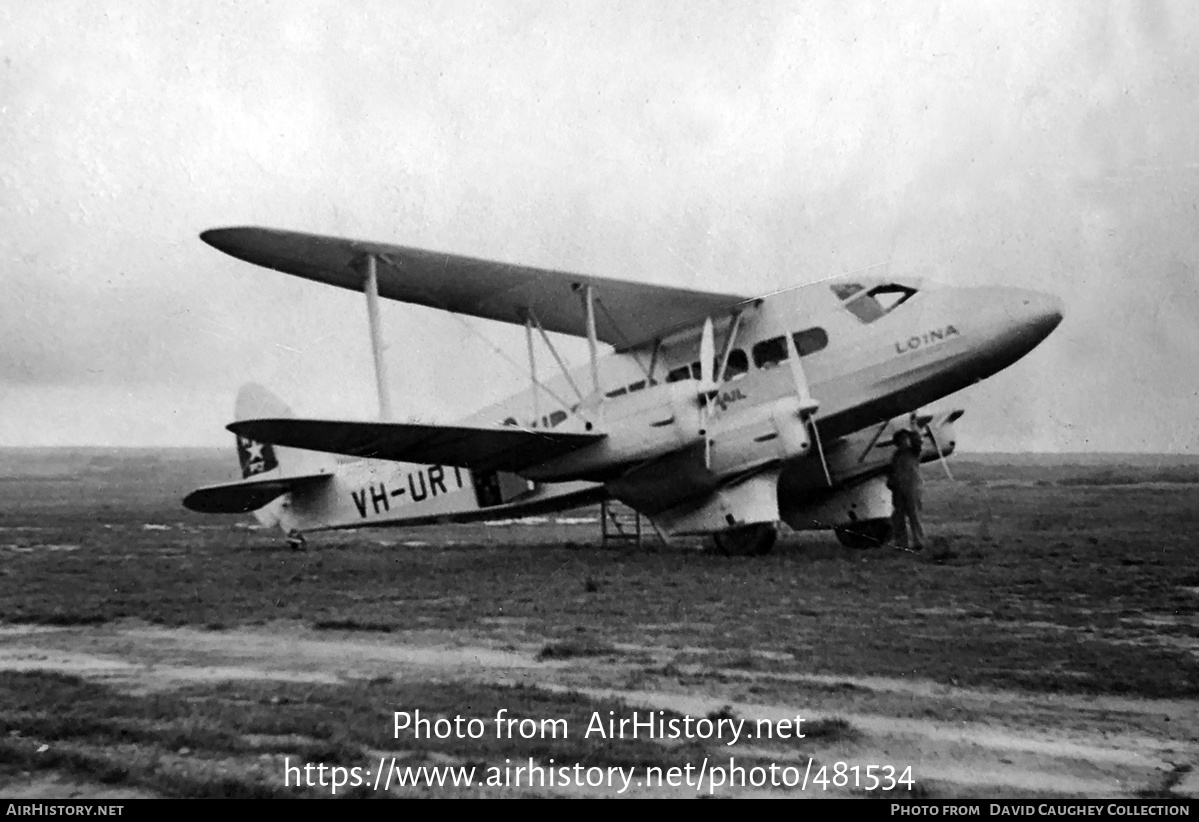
(868,533)
(752,540)
(296,541)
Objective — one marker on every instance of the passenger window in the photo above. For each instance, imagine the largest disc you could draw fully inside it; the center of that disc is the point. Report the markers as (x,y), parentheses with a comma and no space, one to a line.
(557,418)
(683,372)
(770,353)
(737,365)
(637,386)
(510,421)
(810,340)
(615,393)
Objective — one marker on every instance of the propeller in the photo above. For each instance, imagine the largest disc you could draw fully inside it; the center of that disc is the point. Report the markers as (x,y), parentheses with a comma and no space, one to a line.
(707,384)
(984,525)
(928,429)
(707,358)
(807,403)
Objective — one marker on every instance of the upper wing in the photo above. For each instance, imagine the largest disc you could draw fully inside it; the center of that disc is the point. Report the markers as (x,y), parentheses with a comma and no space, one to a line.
(627,314)
(482,449)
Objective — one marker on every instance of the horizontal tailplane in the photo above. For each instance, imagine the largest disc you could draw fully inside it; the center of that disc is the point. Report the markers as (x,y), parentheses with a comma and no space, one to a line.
(247,495)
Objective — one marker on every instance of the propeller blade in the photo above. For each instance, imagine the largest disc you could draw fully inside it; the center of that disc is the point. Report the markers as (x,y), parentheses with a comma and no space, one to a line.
(940,454)
(808,405)
(814,433)
(707,356)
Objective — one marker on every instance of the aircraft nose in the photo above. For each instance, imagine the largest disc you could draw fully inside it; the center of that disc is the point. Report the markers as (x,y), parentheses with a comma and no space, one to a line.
(1017,320)
(1039,313)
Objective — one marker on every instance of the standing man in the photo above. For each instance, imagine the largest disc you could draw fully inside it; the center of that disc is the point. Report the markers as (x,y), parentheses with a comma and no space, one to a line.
(905,485)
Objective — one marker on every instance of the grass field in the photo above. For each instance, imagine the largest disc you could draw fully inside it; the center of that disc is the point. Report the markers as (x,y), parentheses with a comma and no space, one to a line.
(1074,584)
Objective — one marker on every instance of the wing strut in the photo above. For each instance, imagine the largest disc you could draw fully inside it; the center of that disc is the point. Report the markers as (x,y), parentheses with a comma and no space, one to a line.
(370,287)
(728,346)
(653,362)
(874,440)
(531,317)
(533,371)
(592,341)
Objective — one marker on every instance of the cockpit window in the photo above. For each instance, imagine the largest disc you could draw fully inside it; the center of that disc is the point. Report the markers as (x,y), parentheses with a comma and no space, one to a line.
(866,309)
(891,296)
(878,302)
(846,290)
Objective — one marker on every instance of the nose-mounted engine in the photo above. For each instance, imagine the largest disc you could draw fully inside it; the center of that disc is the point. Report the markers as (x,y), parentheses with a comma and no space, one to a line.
(760,435)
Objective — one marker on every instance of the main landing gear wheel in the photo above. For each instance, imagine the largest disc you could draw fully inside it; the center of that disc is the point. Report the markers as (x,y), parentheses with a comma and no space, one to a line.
(752,540)
(869,533)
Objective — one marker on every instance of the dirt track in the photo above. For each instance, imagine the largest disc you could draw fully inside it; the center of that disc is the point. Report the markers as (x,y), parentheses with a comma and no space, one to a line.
(958,741)
(1049,648)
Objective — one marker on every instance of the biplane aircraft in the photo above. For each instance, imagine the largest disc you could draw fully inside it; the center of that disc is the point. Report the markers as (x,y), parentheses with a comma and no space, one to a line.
(715,413)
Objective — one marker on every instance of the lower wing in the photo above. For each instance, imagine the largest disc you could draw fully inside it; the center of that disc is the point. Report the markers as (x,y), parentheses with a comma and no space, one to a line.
(480,449)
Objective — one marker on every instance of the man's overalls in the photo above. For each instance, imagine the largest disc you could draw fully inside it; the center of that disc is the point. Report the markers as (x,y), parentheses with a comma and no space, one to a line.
(906,491)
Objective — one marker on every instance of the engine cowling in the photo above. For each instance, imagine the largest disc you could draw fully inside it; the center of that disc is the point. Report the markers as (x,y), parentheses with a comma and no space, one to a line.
(774,432)
(859,514)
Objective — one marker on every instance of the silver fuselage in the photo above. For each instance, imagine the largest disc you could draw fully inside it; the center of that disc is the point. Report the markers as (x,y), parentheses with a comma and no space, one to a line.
(938,341)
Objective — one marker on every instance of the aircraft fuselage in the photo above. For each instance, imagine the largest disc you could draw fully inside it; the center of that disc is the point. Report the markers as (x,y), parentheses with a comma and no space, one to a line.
(939,340)
(872,350)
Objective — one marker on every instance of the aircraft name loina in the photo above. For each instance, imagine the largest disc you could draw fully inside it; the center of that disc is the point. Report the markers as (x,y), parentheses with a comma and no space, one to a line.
(937,335)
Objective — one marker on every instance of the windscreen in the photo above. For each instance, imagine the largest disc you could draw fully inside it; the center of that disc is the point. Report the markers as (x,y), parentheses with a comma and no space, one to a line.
(870,304)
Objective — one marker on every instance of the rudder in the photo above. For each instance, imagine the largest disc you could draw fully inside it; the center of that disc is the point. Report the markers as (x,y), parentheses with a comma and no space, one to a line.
(254,402)
(255,458)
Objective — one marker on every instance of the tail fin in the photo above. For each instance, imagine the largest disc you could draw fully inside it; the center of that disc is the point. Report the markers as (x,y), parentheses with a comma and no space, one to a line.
(255,402)
(268,472)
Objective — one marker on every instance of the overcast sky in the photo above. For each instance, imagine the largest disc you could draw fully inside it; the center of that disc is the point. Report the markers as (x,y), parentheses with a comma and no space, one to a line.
(741,147)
